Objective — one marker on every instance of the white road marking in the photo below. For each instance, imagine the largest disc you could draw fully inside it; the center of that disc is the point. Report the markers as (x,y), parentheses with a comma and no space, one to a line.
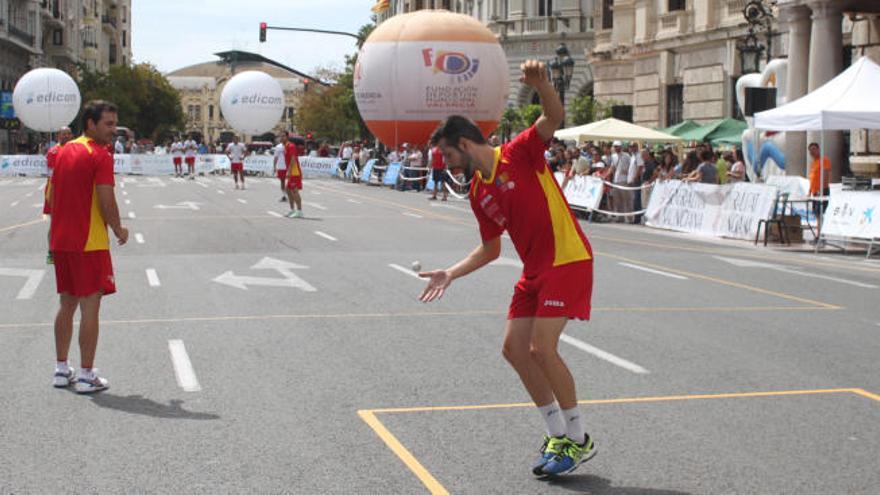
(599,353)
(183,205)
(326,236)
(220,192)
(40,187)
(285,268)
(34,277)
(355,201)
(405,270)
(128,201)
(153,277)
(275,214)
(139,238)
(413,215)
(316,205)
(37,205)
(242,201)
(449,207)
(655,272)
(125,193)
(316,193)
(183,369)
(14,203)
(784,269)
(131,214)
(29,194)
(122,185)
(199,183)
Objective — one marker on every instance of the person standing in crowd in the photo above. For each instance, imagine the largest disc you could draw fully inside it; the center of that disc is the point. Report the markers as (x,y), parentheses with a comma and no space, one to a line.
(416,160)
(177,157)
(279,164)
(61,138)
(514,190)
(722,168)
(666,171)
(706,173)
(737,172)
(190,147)
(622,198)
(119,147)
(438,172)
(237,152)
(324,150)
(83,205)
(819,194)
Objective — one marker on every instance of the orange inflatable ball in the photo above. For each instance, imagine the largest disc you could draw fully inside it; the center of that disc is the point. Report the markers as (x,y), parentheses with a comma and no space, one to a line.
(416,69)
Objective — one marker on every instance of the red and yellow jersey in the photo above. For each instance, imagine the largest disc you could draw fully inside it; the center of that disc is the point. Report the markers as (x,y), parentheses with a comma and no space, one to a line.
(51,156)
(523,198)
(291,157)
(77,223)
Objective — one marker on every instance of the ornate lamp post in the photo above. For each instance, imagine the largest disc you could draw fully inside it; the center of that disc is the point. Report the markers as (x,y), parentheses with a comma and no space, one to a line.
(759,18)
(561,71)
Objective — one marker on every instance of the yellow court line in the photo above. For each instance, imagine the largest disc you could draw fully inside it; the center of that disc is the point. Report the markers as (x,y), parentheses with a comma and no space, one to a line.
(434,486)
(408,459)
(725,282)
(425,313)
(725,250)
(13,227)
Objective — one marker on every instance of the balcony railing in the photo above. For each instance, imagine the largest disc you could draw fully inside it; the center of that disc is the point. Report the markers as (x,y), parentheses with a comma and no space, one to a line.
(21,35)
(90,44)
(538,25)
(108,19)
(673,24)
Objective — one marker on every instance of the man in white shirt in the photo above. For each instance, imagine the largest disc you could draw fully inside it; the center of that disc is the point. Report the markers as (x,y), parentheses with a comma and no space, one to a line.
(119,148)
(622,199)
(236,152)
(415,159)
(279,165)
(189,149)
(177,157)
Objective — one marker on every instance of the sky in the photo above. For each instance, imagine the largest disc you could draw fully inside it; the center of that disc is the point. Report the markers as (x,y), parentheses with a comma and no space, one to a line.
(175,34)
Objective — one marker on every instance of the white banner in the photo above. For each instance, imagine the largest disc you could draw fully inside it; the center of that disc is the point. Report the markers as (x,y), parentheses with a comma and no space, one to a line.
(29,165)
(313,166)
(711,210)
(853,214)
(583,191)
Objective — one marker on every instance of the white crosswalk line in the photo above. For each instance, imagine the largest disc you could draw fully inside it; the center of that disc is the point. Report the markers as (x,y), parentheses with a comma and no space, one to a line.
(275,214)
(139,238)
(242,201)
(153,277)
(316,205)
(599,353)
(651,270)
(326,236)
(183,368)
(413,215)
(131,214)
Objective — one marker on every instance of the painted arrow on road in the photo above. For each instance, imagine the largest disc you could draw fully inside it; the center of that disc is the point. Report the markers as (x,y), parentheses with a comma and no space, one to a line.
(34,277)
(784,269)
(183,205)
(285,268)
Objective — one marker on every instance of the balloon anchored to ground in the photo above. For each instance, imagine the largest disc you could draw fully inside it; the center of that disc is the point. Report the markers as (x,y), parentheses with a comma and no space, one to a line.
(417,69)
(46,99)
(252,102)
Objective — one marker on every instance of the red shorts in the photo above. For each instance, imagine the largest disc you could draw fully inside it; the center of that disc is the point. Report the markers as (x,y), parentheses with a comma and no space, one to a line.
(177,160)
(282,174)
(237,167)
(295,182)
(190,160)
(564,290)
(84,274)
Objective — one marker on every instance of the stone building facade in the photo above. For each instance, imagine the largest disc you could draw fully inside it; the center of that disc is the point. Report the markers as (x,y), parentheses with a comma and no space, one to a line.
(201,85)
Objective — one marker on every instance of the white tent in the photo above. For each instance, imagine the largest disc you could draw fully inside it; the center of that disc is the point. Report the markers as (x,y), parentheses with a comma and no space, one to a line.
(849,101)
(614,129)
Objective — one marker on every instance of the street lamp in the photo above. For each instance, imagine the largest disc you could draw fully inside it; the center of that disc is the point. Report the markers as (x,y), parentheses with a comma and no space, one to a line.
(561,71)
(750,51)
(758,16)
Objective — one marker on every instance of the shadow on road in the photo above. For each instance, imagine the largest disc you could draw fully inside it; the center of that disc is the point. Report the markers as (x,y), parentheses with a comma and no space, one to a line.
(138,404)
(596,485)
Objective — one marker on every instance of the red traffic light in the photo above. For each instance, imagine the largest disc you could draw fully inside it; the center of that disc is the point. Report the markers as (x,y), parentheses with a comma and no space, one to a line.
(263,32)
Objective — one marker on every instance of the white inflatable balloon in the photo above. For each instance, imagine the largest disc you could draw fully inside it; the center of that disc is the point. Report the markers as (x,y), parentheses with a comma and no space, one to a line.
(46,99)
(252,102)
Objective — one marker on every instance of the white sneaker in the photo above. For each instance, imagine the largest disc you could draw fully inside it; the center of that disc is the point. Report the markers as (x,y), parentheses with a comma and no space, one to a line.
(62,379)
(90,384)
(291,214)
(298,214)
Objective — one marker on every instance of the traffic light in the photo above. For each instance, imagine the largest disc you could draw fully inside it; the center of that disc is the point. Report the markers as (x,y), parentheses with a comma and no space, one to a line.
(262,32)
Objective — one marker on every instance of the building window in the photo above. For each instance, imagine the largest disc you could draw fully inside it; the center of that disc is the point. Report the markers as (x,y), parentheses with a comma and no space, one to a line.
(210,112)
(607,14)
(57,37)
(674,104)
(290,112)
(545,8)
(677,5)
(124,38)
(198,114)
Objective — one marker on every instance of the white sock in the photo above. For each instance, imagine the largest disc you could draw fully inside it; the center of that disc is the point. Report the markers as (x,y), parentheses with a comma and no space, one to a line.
(553,418)
(574,428)
(85,373)
(61,367)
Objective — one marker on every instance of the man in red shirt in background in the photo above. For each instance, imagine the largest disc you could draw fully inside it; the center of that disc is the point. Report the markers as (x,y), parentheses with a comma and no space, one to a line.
(438,172)
(61,137)
(83,205)
(513,189)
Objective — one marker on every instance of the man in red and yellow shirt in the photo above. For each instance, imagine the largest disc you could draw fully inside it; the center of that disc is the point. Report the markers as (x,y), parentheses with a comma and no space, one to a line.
(514,190)
(819,205)
(294,178)
(61,137)
(83,205)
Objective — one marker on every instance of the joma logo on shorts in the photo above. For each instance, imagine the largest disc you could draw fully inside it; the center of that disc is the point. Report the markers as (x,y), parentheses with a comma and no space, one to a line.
(557,304)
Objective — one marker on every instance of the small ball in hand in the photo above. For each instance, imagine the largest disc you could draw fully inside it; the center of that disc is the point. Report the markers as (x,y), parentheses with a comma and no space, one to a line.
(416,266)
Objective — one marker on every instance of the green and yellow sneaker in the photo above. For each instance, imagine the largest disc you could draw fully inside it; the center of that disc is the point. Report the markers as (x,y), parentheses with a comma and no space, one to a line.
(551,448)
(571,456)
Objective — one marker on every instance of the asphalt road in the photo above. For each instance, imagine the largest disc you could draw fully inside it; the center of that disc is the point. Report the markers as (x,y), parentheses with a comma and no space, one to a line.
(249,353)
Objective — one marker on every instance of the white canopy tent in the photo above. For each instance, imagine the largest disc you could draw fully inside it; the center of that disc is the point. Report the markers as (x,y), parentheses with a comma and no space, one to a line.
(614,129)
(849,101)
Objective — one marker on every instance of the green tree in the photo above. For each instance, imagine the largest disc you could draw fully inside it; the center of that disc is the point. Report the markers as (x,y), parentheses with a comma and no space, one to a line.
(529,114)
(510,121)
(147,102)
(586,109)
